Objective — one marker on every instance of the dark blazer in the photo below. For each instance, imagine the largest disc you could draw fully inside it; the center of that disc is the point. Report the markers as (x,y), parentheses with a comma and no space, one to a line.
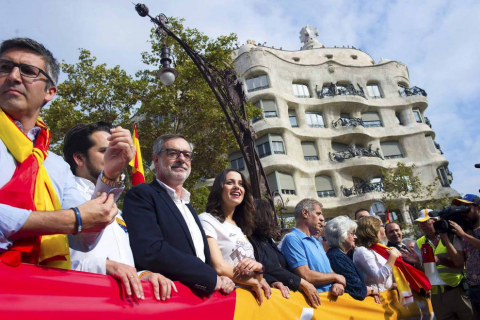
(267,253)
(161,241)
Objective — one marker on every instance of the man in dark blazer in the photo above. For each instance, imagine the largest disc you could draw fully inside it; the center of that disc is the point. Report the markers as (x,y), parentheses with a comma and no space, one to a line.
(165,233)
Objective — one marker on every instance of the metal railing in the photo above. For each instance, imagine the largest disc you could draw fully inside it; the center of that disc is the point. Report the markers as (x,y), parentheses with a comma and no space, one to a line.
(340,156)
(347,122)
(340,90)
(363,187)
(414,91)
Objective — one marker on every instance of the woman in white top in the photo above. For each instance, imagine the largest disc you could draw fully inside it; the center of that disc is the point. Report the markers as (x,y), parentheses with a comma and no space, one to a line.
(376,269)
(228,221)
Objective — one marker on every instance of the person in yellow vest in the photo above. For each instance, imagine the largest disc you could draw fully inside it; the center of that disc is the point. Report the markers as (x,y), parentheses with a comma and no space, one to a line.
(39,203)
(449,300)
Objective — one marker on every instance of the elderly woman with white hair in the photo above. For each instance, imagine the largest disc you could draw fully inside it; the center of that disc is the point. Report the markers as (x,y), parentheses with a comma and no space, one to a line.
(340,235)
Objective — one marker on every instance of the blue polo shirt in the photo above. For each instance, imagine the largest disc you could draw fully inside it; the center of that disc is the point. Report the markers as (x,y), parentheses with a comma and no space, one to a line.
(300,250)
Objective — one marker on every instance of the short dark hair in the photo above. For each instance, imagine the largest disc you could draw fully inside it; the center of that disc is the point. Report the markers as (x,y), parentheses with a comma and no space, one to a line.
(358,211)
(243,215)
(78,140)
(51,66)
(265,225)
(399,226)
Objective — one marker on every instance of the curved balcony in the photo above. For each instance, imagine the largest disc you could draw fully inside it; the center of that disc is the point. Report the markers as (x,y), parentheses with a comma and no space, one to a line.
(347,122)
(363,187)
(339,90)
(341,156)
(414,91)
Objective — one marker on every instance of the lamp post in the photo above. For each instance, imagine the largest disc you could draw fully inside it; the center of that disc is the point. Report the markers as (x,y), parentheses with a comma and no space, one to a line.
(229,93)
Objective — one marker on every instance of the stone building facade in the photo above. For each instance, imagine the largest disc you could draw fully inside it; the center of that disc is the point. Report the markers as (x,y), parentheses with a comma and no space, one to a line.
(333,118)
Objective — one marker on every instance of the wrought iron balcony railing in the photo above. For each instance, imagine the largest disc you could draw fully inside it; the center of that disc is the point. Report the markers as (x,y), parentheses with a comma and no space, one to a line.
(437,145)
(347,122)
(414,91)
(340,156)
(363,187)
(339,90)
(427,122)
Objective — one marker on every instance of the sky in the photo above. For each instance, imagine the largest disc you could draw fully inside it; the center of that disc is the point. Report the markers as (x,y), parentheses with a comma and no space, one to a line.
(438,41)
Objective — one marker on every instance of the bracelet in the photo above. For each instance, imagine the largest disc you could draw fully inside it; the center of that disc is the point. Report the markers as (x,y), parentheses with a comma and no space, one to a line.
(79,220)
(260,272)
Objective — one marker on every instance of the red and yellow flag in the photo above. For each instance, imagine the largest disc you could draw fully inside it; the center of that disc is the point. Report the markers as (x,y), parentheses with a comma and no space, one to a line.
(389,219)
(138,175)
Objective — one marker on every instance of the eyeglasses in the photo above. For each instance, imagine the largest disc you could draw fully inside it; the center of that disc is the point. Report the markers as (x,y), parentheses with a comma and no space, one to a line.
(26,70)
(174,154)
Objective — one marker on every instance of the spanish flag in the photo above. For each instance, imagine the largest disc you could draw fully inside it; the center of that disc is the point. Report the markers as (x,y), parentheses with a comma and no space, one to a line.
(138,175)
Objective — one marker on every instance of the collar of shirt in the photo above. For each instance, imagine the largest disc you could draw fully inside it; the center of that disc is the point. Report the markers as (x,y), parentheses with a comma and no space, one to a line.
(85,184)
(171,192)
(32,134)
(302,234)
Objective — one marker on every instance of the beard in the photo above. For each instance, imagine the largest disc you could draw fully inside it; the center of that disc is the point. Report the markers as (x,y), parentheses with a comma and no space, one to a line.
(177,176)
(92,171)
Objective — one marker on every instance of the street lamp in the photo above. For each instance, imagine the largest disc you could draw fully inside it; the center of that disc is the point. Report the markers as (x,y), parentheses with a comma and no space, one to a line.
(229,93)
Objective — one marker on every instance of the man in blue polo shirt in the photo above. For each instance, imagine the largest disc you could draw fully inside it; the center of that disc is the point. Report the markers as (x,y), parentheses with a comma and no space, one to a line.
(305,254)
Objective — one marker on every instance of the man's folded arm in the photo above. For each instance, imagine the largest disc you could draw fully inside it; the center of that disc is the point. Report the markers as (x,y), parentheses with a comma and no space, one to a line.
(152,252)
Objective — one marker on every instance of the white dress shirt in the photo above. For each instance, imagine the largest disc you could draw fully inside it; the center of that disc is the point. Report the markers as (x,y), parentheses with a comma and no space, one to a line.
(374,267)
(113,243)
(12,219)
(187,215)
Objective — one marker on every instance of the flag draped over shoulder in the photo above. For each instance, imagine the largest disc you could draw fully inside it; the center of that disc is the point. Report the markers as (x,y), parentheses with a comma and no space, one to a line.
(138,175)
(405,275)
(30,188)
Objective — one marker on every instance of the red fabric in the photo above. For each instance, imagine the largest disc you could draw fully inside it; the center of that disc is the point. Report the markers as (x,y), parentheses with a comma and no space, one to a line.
(19,192)
(427,253)
(416,278)
(137,178)
(32,292)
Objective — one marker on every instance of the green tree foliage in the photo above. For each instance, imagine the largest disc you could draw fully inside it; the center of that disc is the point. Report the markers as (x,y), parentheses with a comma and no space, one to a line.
(402,185)
(90,93)
(93,92)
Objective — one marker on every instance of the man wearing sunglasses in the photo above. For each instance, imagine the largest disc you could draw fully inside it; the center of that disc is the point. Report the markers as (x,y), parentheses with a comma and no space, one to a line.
(165,233)
(39,203)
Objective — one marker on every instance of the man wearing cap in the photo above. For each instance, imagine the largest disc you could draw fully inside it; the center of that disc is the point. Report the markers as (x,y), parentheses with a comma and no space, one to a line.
(470,243)
(449,300)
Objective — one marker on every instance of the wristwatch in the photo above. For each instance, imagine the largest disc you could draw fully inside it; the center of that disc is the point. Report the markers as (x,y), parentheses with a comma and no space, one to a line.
(113,183)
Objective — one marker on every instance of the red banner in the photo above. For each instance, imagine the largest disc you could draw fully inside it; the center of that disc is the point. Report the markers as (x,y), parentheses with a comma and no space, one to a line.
(32,292)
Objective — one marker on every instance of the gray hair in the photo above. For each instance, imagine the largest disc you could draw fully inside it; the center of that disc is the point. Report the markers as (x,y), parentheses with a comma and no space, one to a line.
(160,141)
(337,229)
(51,66)
(307,203)
(406,241)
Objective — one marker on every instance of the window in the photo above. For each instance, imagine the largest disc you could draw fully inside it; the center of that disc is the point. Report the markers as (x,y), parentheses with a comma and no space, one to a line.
(257,83)
(263,146)
(418,115)
(399,119)
(374,91)
(431,144)
(300,90)
(309,151)
(445,176)
(391,150)
(277,144)
(315,120)
(268,107)
(324,186)
(338,147)
(292,116)
(283,182)
(236,161)
(371,119)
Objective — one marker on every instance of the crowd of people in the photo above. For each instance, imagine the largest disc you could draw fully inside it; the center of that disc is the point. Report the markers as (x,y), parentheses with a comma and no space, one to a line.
(62,213)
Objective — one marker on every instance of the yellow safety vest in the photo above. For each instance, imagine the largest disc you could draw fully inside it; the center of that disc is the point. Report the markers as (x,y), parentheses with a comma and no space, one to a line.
(451,276)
